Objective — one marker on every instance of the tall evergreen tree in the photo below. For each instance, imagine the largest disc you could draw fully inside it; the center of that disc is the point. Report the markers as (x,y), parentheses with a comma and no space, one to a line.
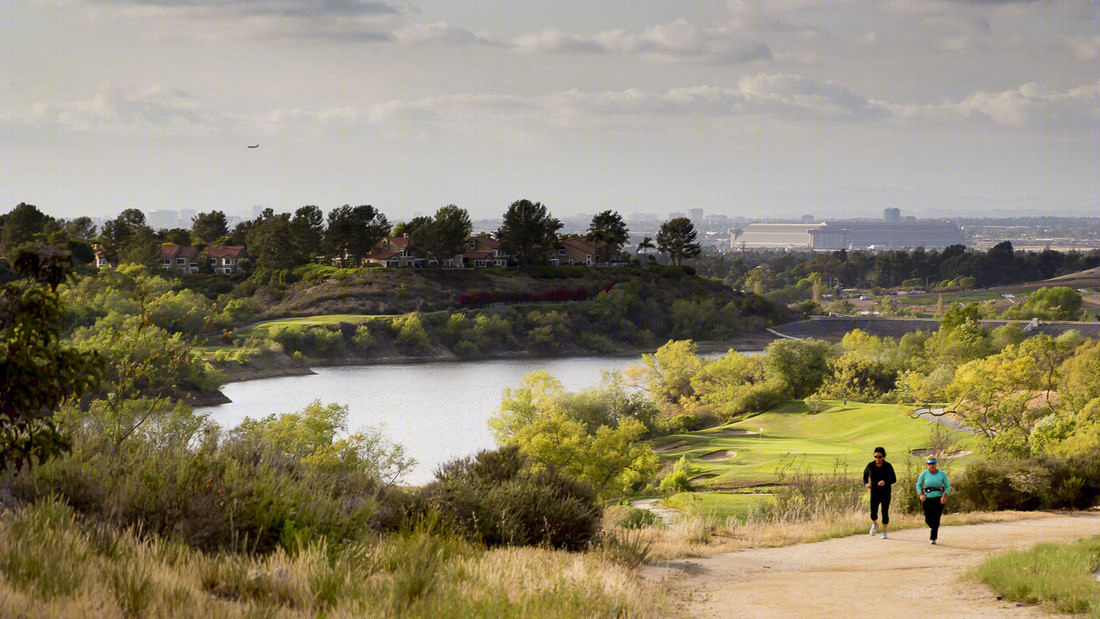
(528,231)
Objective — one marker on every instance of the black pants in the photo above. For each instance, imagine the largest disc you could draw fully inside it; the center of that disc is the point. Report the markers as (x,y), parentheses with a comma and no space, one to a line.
(880,497)
(933,509)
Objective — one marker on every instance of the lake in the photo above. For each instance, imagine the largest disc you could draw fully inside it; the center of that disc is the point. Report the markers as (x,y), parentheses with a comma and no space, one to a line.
(437,411)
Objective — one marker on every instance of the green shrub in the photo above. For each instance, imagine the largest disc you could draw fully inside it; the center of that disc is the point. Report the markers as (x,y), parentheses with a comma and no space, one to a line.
(639,519)
(677,480)
(1031,483)
(499,499)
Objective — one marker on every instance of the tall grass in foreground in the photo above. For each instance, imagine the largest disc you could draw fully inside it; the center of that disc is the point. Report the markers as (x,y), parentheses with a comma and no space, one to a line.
(54,565)
(1054,574)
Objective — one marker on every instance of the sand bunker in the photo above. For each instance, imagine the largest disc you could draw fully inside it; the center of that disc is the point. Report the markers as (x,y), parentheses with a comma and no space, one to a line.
(924,453)
(739,432)
(670,446)
(721,454)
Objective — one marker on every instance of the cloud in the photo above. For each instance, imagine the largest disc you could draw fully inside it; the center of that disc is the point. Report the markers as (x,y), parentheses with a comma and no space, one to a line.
(441,33)
(677,40)
(285,8)
(1030,106)
(122,110)
(1086,48)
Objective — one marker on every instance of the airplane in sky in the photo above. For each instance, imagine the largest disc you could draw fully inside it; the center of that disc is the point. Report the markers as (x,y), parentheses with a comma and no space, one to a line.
(253,145)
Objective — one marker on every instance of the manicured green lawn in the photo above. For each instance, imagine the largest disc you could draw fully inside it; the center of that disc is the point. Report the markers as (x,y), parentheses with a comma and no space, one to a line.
(843,436)
(267,328)
(720,505)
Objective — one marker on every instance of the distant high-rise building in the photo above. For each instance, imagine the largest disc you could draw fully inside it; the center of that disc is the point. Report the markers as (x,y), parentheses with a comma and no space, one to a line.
(163,219)
(891,215)
(807,219)
(695,214)
(186,217)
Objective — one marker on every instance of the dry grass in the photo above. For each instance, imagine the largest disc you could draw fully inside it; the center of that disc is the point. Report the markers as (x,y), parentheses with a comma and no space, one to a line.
(53,566)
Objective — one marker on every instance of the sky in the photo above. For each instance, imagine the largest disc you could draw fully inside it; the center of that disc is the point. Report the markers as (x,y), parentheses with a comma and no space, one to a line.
(744,108)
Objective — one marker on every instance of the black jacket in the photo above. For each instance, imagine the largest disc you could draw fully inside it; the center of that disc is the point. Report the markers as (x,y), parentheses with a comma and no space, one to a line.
(875,474)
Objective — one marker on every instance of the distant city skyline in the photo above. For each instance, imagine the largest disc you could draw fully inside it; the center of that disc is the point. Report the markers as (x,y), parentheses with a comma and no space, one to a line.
(835,108)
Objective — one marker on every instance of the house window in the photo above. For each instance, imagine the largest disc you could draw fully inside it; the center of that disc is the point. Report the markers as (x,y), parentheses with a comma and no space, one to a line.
(227,261)
(166,262)
(561,252)
(181,260)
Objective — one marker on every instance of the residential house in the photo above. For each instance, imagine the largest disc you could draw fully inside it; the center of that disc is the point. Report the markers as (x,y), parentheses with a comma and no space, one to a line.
(482,251)
(179,258)
(573,250)
(393,251)
(102,258)
(226,259)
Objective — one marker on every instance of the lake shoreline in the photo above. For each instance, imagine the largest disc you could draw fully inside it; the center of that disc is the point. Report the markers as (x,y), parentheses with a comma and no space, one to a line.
(278,364)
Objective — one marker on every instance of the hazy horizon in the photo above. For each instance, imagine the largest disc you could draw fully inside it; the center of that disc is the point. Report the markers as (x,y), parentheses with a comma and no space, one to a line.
(942,108)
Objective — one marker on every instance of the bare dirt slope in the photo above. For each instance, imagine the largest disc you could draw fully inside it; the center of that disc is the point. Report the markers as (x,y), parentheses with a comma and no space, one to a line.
(864,576)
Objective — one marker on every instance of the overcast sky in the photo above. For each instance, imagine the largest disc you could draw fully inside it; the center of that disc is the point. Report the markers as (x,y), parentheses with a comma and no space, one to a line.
(752,108)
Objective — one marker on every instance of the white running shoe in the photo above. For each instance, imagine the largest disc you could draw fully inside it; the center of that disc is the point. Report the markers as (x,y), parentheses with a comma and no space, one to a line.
(884,535)
(932,541)
(874,529)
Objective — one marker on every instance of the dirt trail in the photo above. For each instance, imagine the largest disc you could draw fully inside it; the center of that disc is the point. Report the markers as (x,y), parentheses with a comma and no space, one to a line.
(864,576)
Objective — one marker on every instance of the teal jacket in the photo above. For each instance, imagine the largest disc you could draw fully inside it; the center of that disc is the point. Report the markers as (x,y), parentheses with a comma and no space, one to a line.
(933,486)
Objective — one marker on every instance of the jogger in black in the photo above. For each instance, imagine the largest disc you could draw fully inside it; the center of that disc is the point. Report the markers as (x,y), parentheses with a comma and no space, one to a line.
(879,476)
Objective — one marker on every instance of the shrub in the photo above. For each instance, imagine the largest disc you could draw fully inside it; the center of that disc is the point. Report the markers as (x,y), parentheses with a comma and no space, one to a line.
(497,498)
(639,519)
(1030,483)
(677,480)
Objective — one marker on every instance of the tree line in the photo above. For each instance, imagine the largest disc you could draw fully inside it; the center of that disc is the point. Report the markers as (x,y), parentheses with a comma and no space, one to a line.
(346,235)
(954,267)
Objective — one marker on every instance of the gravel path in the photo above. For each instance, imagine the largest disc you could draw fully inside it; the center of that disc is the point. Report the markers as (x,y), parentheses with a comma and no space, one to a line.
(864,576)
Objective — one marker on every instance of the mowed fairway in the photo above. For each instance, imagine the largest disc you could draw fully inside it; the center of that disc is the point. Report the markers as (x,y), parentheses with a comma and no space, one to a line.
(749,452)
(266,329)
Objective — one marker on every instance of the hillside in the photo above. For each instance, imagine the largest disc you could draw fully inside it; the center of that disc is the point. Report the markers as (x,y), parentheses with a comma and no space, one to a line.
(397,291)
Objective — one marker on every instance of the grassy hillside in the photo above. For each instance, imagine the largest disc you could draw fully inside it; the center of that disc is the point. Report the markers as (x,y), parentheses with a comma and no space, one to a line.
(749,452)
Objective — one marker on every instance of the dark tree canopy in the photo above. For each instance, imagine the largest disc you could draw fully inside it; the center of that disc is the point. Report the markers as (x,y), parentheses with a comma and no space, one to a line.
(81,228)
(209,227)
(272,242)
(528,231)
(443,236)
(353,231)
(308,226)
(677,239)
(609,231)
(22,225)
(37,372)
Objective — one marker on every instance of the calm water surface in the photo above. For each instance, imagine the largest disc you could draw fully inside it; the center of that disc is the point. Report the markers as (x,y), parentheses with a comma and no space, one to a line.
(437,411)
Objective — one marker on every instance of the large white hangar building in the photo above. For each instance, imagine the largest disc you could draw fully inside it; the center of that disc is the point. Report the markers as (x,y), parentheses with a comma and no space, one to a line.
(890,233)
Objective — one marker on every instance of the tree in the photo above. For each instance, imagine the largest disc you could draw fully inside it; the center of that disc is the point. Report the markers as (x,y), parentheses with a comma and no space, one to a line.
(608,230)
(209,227)
(22,225)
(797,366)
(38,372)
(443,237)
(677,239)
(667,373)
(645,245)
(1057,303)
(996,396)
(308,226)
(585,435)
(129,237)
(528,231)
(81,228)
(353,231)
(272,242)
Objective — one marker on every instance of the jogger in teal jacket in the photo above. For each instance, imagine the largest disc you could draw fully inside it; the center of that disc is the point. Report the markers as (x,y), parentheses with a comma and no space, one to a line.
(932,489)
